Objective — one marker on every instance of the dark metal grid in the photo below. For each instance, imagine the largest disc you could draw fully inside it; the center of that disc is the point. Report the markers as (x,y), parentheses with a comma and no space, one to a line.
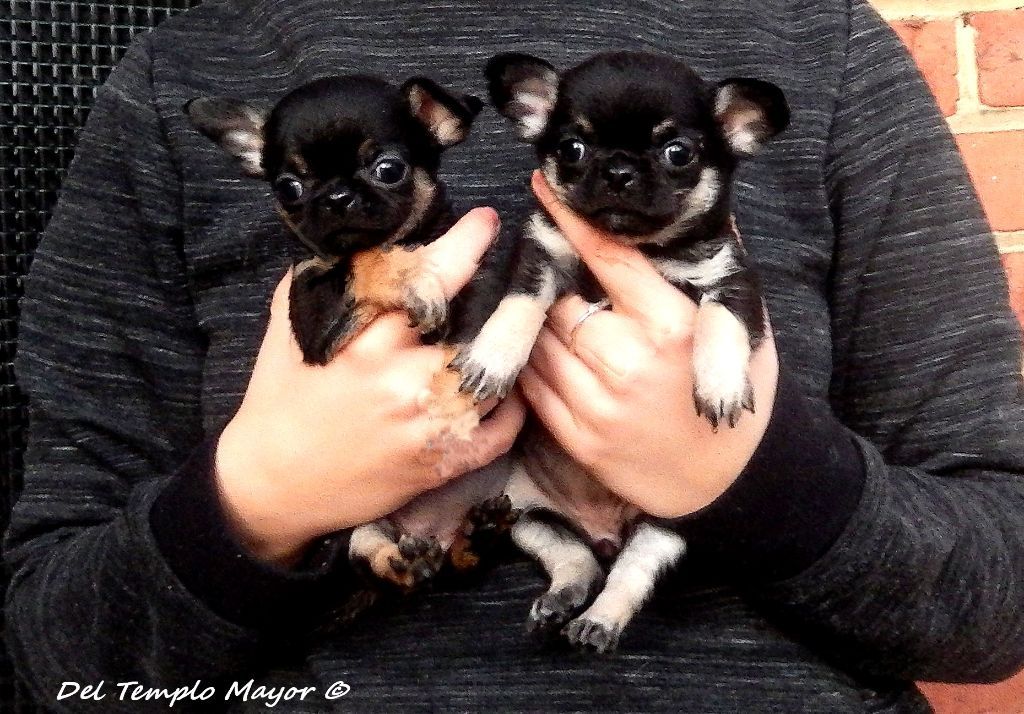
(53,55)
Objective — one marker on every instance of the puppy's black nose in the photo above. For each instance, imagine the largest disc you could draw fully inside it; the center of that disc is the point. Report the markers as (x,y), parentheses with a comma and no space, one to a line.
(619,176)
(339,200)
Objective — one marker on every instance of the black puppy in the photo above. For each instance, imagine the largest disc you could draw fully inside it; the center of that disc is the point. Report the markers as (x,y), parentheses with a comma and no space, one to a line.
(352,162)
(643,148)
(353,165)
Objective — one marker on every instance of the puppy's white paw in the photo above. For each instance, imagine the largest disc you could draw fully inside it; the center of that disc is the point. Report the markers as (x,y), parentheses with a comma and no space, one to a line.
(552,610)
(721,356)
(490,364)
(588,633)
(722,401)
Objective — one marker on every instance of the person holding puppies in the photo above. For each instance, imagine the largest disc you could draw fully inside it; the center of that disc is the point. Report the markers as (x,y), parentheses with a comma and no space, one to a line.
(187,474)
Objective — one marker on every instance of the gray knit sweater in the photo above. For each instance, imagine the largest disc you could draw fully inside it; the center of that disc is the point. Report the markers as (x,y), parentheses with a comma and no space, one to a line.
(876,538)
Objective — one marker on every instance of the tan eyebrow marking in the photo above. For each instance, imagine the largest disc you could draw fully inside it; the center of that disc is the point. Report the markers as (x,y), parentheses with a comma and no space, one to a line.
(367,150)
(298,163)
(663,129)
(583,124)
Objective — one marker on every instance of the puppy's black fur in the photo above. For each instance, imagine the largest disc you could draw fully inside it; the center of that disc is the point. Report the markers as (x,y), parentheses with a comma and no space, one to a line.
(352,162)
(643,148)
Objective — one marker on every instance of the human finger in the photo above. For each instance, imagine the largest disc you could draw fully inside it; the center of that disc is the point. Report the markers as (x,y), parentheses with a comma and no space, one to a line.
(279,346)
(609,344)
(457,254)
(493,437)
(384,336)
(568,376)
(549,407)
(627,276)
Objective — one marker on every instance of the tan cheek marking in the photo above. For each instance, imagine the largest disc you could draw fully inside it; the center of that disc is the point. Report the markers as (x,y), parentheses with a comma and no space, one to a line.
(423,193)
(735,229)
(294,228)
(550,171)
(316,263)
(286,218)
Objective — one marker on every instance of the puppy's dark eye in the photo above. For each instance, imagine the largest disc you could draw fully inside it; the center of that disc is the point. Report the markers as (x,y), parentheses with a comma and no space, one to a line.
(678,152)
(572,151)
(389,170)
(288,188)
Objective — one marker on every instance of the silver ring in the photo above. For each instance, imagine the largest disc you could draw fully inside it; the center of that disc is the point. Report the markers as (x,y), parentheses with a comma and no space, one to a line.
(592,309)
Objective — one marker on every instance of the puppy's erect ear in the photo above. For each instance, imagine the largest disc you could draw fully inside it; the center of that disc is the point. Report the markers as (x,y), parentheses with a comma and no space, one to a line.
(446,116)
(236,126)
(523,88)
(750,112)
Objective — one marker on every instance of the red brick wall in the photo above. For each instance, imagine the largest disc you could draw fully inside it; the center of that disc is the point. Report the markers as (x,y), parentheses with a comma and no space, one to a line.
(972,54)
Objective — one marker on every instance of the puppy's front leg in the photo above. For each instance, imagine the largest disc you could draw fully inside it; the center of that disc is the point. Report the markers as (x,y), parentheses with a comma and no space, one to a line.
(426,303)
(721,352)
(490,363)
(401,279)
(648,553)
(323,311)
(730,326)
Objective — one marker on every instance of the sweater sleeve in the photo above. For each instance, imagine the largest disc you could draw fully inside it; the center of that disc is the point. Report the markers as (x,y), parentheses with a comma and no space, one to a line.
(925,578)
(107,586)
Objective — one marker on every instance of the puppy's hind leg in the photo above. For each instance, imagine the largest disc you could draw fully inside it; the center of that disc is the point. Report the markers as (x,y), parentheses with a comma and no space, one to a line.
(483,530)
(570,564)
(403,561)
(649,551)
(574,573)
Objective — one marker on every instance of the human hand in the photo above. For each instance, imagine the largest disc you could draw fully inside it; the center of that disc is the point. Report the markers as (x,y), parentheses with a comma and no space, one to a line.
(313,449)
(619,400)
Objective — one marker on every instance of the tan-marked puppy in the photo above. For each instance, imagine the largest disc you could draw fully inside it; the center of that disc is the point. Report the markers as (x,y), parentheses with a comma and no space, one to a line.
(644,149)
(353,163)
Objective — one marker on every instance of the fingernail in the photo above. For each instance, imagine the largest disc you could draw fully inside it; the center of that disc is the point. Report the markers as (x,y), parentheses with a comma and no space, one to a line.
(538,185)
(489,216)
